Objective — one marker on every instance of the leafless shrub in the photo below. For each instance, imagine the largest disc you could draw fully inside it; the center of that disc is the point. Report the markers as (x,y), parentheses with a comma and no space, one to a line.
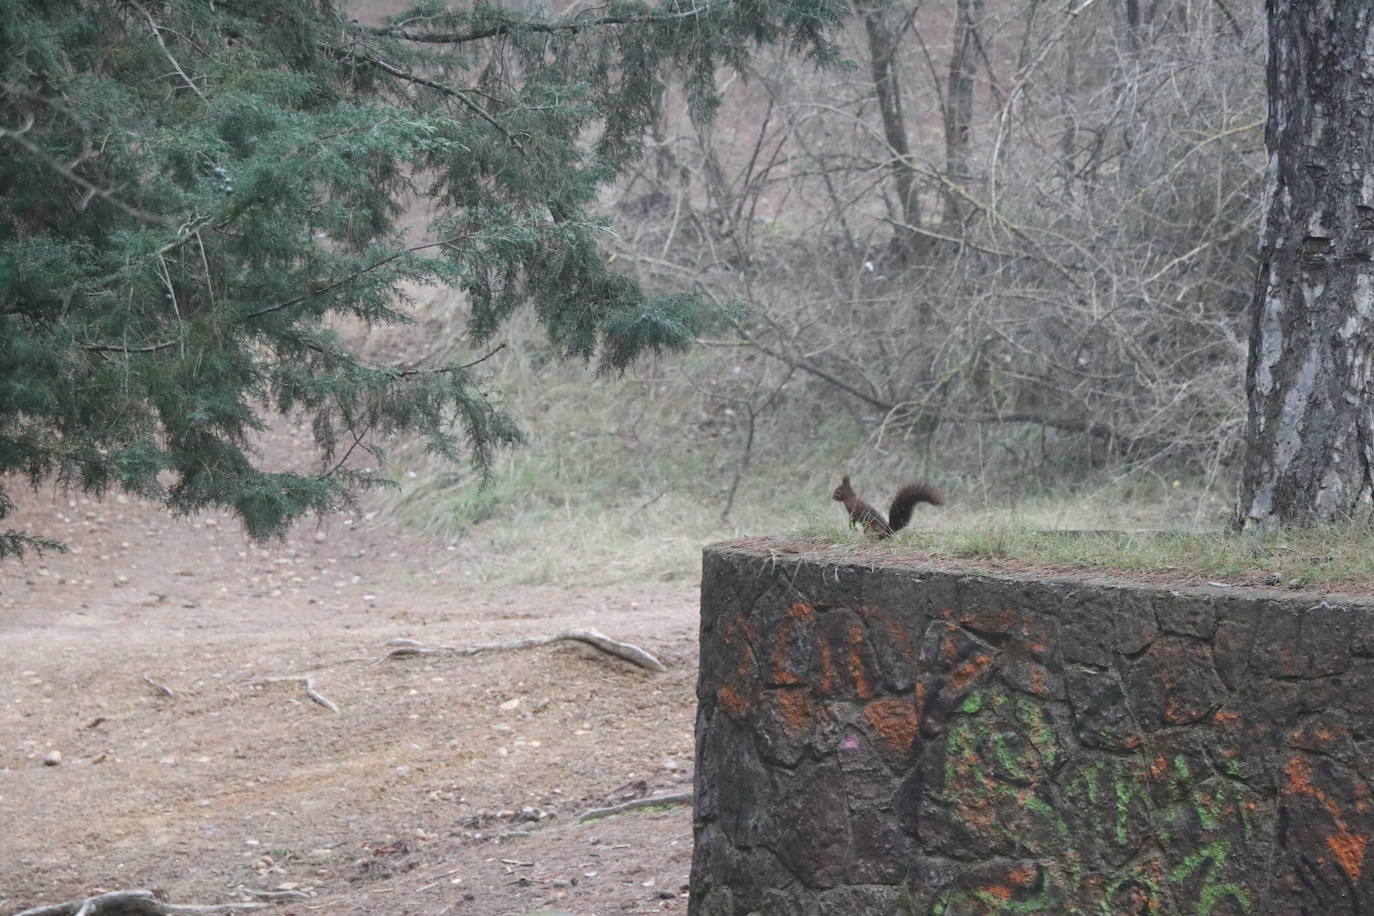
(1012,215)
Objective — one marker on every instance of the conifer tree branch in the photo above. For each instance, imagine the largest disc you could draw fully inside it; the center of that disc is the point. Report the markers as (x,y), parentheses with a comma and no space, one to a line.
(509,27)
(235,225)
(357,440)
(413,371)
(355,275)
(120,348)
(165,344)
(449,91)
(92,189)
(157,33)
(405,373)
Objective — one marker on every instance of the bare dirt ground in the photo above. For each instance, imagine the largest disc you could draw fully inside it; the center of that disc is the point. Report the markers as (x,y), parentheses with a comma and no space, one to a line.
(443,785)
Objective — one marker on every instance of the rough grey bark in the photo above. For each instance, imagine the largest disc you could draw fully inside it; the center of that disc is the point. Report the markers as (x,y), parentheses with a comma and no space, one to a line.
(1310,428)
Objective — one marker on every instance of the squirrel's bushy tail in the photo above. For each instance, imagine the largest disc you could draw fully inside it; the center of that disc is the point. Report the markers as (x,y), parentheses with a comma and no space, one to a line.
(904,503)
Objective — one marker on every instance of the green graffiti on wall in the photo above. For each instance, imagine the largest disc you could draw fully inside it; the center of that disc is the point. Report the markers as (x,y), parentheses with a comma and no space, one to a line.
(1213,856)
(1140,883)
(1107,792)
(999,767)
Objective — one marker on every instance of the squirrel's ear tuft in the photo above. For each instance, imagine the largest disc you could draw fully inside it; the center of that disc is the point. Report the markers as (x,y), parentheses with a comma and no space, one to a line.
(845,480)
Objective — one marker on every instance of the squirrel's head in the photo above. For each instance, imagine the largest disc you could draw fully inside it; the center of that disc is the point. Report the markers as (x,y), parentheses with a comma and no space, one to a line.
(843,491)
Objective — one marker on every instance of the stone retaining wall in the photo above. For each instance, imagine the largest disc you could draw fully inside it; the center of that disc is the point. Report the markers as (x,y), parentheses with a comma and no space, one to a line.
(915,741)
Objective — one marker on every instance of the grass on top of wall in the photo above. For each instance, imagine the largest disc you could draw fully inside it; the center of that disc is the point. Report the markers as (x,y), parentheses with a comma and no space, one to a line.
(1333,556)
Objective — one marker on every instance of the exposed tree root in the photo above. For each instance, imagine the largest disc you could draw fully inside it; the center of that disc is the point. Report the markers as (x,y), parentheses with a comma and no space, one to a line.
(132,903)
(403,648)
(657,801)
(627,651)
(310,690)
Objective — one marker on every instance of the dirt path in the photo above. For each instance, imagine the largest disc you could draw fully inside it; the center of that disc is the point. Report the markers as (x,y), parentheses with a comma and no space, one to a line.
(443,785)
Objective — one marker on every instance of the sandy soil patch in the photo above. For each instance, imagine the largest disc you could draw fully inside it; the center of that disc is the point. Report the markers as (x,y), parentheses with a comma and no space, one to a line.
(443,784)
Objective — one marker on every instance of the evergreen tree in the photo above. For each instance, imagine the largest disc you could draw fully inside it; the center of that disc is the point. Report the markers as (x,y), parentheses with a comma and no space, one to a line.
(193,192)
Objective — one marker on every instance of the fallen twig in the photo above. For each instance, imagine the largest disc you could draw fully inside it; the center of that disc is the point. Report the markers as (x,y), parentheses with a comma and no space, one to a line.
(310,690)
(656,801)
(275,895)
(627,651)
(160,688)
(132,903)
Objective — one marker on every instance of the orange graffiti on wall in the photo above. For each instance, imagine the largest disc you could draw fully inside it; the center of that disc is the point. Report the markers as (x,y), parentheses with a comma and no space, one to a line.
(1347,847)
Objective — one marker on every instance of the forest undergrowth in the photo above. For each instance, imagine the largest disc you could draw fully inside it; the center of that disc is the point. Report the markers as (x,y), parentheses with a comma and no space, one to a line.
(1006,252)
(626,479)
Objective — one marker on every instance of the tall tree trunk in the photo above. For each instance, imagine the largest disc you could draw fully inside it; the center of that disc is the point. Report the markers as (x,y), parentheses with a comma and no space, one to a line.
(1068,143)
(882,51)
(958,114)
(1310,431)
(1133,25)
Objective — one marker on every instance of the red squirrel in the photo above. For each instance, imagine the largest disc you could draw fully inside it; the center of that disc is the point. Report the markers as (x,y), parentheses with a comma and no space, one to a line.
(861,513)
